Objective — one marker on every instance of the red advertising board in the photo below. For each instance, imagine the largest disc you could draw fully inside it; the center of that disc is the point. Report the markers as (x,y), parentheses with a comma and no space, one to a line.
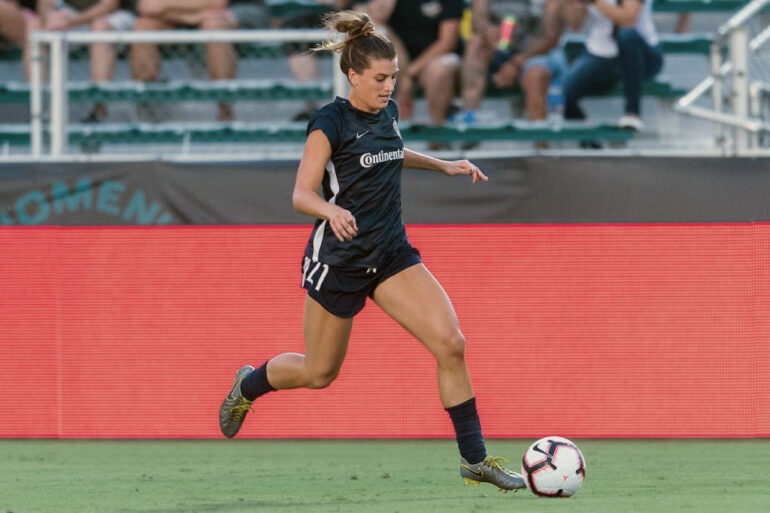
(576,330)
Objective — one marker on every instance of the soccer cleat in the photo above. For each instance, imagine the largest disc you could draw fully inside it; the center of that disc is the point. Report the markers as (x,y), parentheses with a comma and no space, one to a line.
(491,471)
(234,408)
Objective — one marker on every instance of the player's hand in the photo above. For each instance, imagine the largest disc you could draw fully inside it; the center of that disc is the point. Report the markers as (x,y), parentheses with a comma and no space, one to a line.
(343,224)
(464,167)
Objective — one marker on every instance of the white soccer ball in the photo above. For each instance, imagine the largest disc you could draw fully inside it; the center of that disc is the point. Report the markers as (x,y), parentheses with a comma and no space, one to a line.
(553,467)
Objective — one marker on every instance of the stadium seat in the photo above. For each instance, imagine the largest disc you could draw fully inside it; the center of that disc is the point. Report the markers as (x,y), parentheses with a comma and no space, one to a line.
(79,53)
(281,8)
(698,5)
(179,90)
(242,90)
(295,132)
(658,87)
(672,44)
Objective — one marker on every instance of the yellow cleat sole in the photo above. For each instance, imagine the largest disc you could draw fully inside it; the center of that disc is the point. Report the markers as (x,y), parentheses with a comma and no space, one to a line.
(469,481)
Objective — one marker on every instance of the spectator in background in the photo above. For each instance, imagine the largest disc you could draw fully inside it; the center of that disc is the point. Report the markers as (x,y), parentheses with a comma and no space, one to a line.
(622,44)
(529,57)
(98,15)
(304,66)
(12,25)
(425,34)
(206,15)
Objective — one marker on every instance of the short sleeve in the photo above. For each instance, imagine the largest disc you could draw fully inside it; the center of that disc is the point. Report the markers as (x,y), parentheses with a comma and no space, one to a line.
(329,123)
(453,9)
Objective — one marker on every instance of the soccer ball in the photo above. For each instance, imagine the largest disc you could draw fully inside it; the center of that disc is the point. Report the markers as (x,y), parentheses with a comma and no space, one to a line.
(553,467)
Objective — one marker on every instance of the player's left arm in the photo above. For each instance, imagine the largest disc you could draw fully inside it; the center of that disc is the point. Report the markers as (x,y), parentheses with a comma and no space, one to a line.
(415,160)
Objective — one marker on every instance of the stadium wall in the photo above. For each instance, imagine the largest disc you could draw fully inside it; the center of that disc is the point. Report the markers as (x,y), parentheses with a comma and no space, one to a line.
(603,329)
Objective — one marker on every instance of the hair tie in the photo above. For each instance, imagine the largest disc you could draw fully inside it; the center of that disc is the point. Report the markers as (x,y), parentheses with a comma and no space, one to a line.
(369,32)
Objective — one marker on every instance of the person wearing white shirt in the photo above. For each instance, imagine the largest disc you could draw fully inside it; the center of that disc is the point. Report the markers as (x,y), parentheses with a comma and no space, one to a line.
(623,45)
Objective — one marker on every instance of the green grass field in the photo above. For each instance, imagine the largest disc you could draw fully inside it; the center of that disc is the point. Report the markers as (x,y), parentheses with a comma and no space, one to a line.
(624,476)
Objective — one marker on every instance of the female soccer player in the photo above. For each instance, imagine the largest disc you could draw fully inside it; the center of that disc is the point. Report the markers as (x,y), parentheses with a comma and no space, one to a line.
(359,248)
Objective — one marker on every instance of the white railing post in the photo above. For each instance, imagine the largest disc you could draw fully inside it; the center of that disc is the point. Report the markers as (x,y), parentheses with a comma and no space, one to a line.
(739,55)
(36,96)
(741,118)
(58,91)
(716,91)
(755,109)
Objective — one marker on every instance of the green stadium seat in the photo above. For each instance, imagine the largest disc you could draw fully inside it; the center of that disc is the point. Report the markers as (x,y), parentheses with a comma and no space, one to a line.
(280,8)
(698,5)
(247,90)
(181,90)
(658,87)
(171,133)
(672,44)
(517,131)
(9,54)
(14,134)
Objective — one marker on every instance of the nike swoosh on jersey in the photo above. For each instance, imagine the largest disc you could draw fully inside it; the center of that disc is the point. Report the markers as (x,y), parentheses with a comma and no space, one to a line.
(358,136)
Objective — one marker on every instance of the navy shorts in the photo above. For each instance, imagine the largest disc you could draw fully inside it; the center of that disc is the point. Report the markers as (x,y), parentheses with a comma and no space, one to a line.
(343,290)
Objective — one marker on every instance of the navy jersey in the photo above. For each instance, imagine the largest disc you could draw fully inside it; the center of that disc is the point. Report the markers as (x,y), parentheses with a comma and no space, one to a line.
(364,177)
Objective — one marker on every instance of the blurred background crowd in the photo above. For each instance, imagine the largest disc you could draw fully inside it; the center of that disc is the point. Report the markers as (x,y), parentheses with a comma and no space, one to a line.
(452,53)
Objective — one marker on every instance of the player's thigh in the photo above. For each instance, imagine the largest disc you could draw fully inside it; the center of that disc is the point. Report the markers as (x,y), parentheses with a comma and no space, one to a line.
(417,301)
(326,338)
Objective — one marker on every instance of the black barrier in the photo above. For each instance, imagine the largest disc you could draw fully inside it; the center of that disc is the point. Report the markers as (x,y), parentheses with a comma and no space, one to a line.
(523,190)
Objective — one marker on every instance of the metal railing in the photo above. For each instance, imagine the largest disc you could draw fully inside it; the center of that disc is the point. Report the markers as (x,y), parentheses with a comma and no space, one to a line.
(56,46)
(736,101)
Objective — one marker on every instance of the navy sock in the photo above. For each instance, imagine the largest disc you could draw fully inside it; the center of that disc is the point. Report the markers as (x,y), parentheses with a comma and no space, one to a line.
(470,441)
(255,383)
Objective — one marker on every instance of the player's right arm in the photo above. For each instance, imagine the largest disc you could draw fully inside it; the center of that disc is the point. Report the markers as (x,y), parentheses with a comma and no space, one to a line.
(305,197)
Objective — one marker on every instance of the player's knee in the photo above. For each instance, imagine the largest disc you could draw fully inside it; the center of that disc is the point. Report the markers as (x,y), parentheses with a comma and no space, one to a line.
(322,378)
(452,348)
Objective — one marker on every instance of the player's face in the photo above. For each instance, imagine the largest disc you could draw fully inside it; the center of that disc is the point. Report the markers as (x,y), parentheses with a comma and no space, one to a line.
(373,87)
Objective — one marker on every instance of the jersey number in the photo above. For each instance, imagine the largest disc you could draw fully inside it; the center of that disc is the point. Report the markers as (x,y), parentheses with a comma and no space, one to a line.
(308,277)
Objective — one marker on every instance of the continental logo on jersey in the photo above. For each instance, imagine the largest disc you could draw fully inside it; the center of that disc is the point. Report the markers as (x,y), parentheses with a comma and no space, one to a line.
(368,160)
